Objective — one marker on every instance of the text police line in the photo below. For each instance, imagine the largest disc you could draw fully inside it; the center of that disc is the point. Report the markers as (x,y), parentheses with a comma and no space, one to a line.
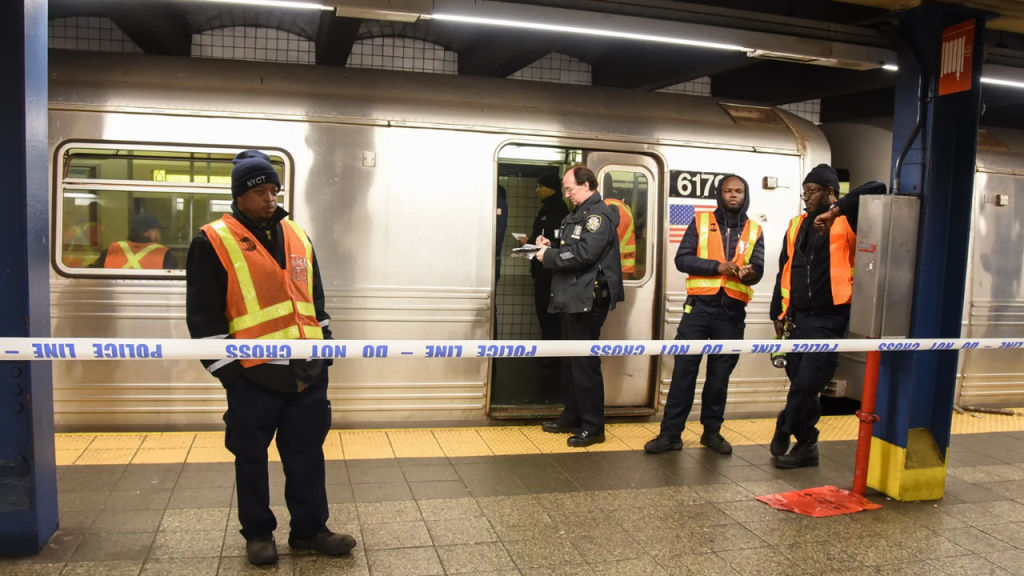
(171,349)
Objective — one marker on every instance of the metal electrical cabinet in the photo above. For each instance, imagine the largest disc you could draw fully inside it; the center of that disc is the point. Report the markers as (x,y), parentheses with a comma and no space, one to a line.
(883,286)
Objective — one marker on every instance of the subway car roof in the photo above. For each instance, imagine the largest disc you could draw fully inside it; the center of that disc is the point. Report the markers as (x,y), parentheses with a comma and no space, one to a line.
(140,83)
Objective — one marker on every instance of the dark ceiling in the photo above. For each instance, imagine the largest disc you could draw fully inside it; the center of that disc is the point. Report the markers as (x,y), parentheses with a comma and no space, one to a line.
(165,27)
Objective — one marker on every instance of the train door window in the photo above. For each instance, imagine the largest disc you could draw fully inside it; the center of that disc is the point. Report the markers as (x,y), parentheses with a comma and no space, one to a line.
(131,211)
(844,181)
(625,188)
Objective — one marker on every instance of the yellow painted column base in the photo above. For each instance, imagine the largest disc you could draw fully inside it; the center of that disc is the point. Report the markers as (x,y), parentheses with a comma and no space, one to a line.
(917,472)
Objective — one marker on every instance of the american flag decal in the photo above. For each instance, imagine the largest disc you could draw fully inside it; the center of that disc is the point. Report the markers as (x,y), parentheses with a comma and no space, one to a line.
(682,215)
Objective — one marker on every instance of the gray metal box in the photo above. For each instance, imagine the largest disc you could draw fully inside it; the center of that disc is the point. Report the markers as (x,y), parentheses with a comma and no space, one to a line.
(883,280)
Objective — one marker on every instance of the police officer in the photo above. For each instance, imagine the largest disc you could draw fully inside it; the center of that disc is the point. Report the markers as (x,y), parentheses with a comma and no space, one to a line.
(552,211)
(723,254)
(141,251)
(812,293)
(253,274)
(587,283)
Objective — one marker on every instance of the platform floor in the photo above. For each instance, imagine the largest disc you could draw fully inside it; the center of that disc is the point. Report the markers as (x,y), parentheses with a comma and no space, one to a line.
(471,503)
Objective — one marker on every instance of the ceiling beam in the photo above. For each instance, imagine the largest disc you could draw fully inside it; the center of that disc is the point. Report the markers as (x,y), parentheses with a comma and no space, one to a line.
(156,27)
(653,69)
(334,39)
(503,53)
(773,83)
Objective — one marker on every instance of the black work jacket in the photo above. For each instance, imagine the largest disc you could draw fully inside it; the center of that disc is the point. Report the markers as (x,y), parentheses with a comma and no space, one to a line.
(810,278)
(206,301)
(552,211)
(586,259)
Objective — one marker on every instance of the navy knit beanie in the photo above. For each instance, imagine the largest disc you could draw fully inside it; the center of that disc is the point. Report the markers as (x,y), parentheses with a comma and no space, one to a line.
(823,175)
(551,180)
(252,168)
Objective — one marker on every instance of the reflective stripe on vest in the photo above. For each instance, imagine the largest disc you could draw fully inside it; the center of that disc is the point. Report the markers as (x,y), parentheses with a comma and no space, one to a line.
(123,257)
(627,241)
(709,247)
(291,319)
(841,242)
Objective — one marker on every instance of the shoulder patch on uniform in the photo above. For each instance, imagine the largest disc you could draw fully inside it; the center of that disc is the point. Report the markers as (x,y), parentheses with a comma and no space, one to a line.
(593,223)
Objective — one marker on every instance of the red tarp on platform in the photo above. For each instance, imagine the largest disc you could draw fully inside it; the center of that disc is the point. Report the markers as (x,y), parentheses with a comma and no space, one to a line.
(819,502)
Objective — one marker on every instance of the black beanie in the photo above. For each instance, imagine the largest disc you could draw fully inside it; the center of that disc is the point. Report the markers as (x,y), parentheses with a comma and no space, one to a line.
(823,175)
(252,168)
(551,180)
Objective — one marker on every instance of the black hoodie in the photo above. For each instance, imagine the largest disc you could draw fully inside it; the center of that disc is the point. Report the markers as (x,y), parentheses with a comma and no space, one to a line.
(730,226)
(206,299)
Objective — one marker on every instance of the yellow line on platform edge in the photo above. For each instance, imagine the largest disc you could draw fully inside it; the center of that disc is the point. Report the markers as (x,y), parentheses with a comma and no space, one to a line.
(380,443)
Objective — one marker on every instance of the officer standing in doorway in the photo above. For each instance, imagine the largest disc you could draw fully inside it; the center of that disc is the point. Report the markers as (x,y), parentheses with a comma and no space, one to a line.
(253,274)
(552,211)
(723,254)
(812,295)
(586,285)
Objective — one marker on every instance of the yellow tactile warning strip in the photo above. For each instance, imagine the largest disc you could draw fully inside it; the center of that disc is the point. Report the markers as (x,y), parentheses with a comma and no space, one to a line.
(175,447)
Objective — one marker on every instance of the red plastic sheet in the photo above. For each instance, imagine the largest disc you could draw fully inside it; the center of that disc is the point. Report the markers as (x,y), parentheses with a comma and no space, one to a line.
(819,502)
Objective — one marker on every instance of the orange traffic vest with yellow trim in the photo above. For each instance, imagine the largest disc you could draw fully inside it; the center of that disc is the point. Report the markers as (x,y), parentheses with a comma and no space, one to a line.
(841,243)
(264,301)
(148,256)
(627,235)
(709,247)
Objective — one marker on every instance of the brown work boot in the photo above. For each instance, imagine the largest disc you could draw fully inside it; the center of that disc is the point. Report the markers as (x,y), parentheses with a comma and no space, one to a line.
(261,551)
(326,542)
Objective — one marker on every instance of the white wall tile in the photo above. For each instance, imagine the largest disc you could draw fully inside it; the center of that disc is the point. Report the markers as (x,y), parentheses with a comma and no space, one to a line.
(557,68)
(88,34)
(254,44)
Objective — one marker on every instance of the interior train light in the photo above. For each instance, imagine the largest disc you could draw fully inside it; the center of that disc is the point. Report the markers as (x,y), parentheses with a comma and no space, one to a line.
(891,67)
(999,82)
(584,31)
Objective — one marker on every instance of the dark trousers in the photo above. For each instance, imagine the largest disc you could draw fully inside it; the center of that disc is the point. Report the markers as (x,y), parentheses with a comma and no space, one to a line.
(550,324)
(701,324)
(301,421)
(582,383)
(809,374)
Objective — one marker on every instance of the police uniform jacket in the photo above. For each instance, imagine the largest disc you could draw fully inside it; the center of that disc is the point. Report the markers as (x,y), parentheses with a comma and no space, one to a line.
(206,295)
(552,211)
(586,261)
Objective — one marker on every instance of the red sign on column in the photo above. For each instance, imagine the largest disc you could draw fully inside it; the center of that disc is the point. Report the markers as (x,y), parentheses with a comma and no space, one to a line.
(957,58)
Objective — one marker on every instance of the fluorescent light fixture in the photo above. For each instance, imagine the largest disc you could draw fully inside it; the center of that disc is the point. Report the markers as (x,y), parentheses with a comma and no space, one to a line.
(86,195)
(532,154)
(584,31)
(275,4)
(999,82)
(891,67)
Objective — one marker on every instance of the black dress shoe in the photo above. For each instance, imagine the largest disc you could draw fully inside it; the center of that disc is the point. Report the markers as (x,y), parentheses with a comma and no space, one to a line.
(326,542)
(716,443)
(556,427)
(780,441)
(261,551)
(584,439)
(660,445)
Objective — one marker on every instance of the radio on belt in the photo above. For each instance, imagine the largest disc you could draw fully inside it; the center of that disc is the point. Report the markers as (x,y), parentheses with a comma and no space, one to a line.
(883,280)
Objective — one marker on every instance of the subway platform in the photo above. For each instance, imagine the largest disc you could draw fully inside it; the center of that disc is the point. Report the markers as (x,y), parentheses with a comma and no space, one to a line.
(502,501)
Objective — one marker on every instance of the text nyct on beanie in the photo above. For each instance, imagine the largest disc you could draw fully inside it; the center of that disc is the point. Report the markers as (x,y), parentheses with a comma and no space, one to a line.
(252,168)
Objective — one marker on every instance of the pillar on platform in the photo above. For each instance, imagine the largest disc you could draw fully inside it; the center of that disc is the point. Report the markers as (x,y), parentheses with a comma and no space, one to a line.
(28,472)
(916,389)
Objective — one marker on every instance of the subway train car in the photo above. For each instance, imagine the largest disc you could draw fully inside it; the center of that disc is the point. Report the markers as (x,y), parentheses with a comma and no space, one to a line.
(394,175)
(994,296)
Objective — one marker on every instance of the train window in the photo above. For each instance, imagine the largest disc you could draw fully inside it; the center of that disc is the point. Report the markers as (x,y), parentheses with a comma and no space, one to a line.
(133,212)
(626,189)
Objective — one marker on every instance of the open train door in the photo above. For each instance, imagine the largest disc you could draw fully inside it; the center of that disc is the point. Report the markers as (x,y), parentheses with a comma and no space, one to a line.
(629,182)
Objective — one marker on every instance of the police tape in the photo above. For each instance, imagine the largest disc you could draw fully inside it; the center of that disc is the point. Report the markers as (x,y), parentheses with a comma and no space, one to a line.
(227,349)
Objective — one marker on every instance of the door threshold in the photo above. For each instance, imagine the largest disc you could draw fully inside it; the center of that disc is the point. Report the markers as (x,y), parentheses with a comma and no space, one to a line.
(542,411)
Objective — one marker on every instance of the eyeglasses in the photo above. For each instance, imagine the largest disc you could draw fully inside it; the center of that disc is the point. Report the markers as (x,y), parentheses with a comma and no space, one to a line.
(569,190)
(809,193)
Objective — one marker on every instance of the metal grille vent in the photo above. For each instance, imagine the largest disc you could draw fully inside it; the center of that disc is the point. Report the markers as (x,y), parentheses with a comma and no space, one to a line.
(990,142)
(752,115)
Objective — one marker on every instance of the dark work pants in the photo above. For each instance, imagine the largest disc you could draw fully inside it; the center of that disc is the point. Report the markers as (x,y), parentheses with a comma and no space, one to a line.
(809,374)
(701,324)
(301,421)
(582,383)
(550,324)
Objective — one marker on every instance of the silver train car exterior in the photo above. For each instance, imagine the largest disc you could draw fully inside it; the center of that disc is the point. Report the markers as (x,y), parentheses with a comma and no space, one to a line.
(394,176)
(994,291)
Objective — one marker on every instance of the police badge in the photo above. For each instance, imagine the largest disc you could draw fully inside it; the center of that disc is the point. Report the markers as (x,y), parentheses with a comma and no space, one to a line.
(593,223)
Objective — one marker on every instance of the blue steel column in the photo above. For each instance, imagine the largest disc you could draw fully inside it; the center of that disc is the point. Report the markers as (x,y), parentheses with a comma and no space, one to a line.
(28,478)
(916,389)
